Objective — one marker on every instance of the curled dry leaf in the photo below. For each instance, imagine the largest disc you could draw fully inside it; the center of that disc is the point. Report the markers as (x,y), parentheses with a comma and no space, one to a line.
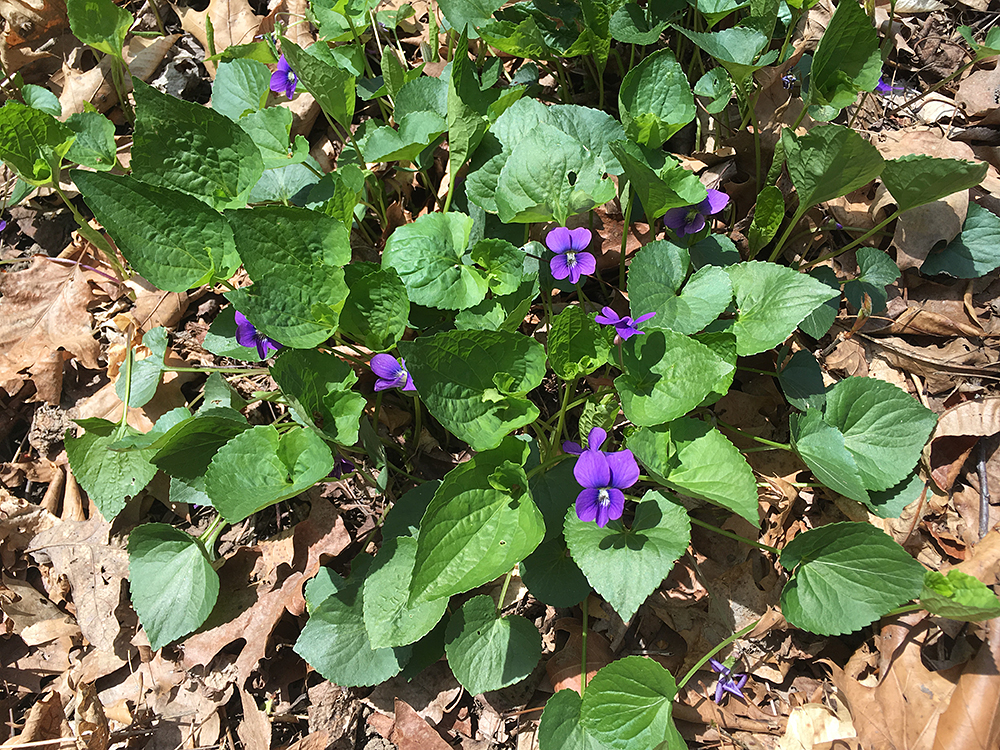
(412,732)
(564,666)
(919,229)
(233,22)
(96,570)
(972,718)
(43,312)
(958,431)
(250,612)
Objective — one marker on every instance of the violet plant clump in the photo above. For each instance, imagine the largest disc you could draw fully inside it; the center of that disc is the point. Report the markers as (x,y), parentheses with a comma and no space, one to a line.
(506,364)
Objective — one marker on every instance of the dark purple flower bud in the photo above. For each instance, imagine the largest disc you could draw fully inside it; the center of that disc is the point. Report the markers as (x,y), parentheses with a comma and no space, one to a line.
(595,440)
(728,682)
(3,224)
(247,335)
(788,80)
(284,80)
(570,259)
(341,466)
(625,327)
(691,220)
(603,476)
(391,373)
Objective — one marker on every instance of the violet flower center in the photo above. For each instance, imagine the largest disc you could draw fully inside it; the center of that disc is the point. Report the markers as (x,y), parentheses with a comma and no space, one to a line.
(603,497)
(570,259)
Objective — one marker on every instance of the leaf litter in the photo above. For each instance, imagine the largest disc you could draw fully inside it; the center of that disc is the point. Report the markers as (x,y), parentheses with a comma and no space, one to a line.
(67,625)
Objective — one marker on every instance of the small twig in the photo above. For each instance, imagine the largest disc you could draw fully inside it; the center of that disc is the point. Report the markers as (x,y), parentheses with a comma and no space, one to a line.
(984,491)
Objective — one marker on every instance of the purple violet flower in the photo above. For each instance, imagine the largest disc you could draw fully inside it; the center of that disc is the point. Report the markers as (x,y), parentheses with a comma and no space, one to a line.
(3,224)
(391,373)
(728,682)
(884,89)
(603,476)
(248,335)
(284,80)
(570,258)
(625,327)
(341,466)
(691,220)
(595,440)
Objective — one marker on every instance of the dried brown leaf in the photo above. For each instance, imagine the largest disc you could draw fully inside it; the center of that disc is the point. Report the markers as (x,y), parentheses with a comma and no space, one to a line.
(565,665)
(44,721)
(972,719)
(250,613)
(96,570)
(233,22)
(957,432)
(255,729)
(412,732)
(43,310)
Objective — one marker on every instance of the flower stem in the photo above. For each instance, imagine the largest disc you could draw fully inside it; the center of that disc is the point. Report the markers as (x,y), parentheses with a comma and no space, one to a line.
(765,441)
(503,591)
(583,646)
(701,662)
(557,434)
(735,537)
(210,536)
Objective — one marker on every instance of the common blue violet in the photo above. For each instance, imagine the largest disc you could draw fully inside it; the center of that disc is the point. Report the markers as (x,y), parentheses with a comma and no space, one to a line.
(603,476)
(391,373)
(691,220)
(625,327)
(247,335)
(728,682)
(570,259)
(284,80)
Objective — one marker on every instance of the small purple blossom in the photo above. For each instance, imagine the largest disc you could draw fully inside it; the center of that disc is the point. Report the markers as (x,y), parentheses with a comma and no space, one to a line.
(691,220)
(3,224)
(595,440)
(248,335)
(625,327)
(341,466)
(570,259)
(284,80)
(391,373)
(603,476)
(728,682)
(884,89)
(788,80)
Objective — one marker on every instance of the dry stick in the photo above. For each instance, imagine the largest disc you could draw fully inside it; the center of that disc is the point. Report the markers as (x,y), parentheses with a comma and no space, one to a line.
(984,491)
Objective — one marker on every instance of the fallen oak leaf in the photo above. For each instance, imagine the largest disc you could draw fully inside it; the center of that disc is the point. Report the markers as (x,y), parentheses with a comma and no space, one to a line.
(44,310)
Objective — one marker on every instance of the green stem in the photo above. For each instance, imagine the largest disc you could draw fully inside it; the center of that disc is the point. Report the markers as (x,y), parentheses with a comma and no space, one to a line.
(503,591)
(544,465)
(877,228)
(210,536)
(701,662)
(583,647)
(233,370)
(557,434)
(903,610)
(416,423)
(91,234)
(123,424)
(764,441)
(779,246)
(625,228)
(735,537)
